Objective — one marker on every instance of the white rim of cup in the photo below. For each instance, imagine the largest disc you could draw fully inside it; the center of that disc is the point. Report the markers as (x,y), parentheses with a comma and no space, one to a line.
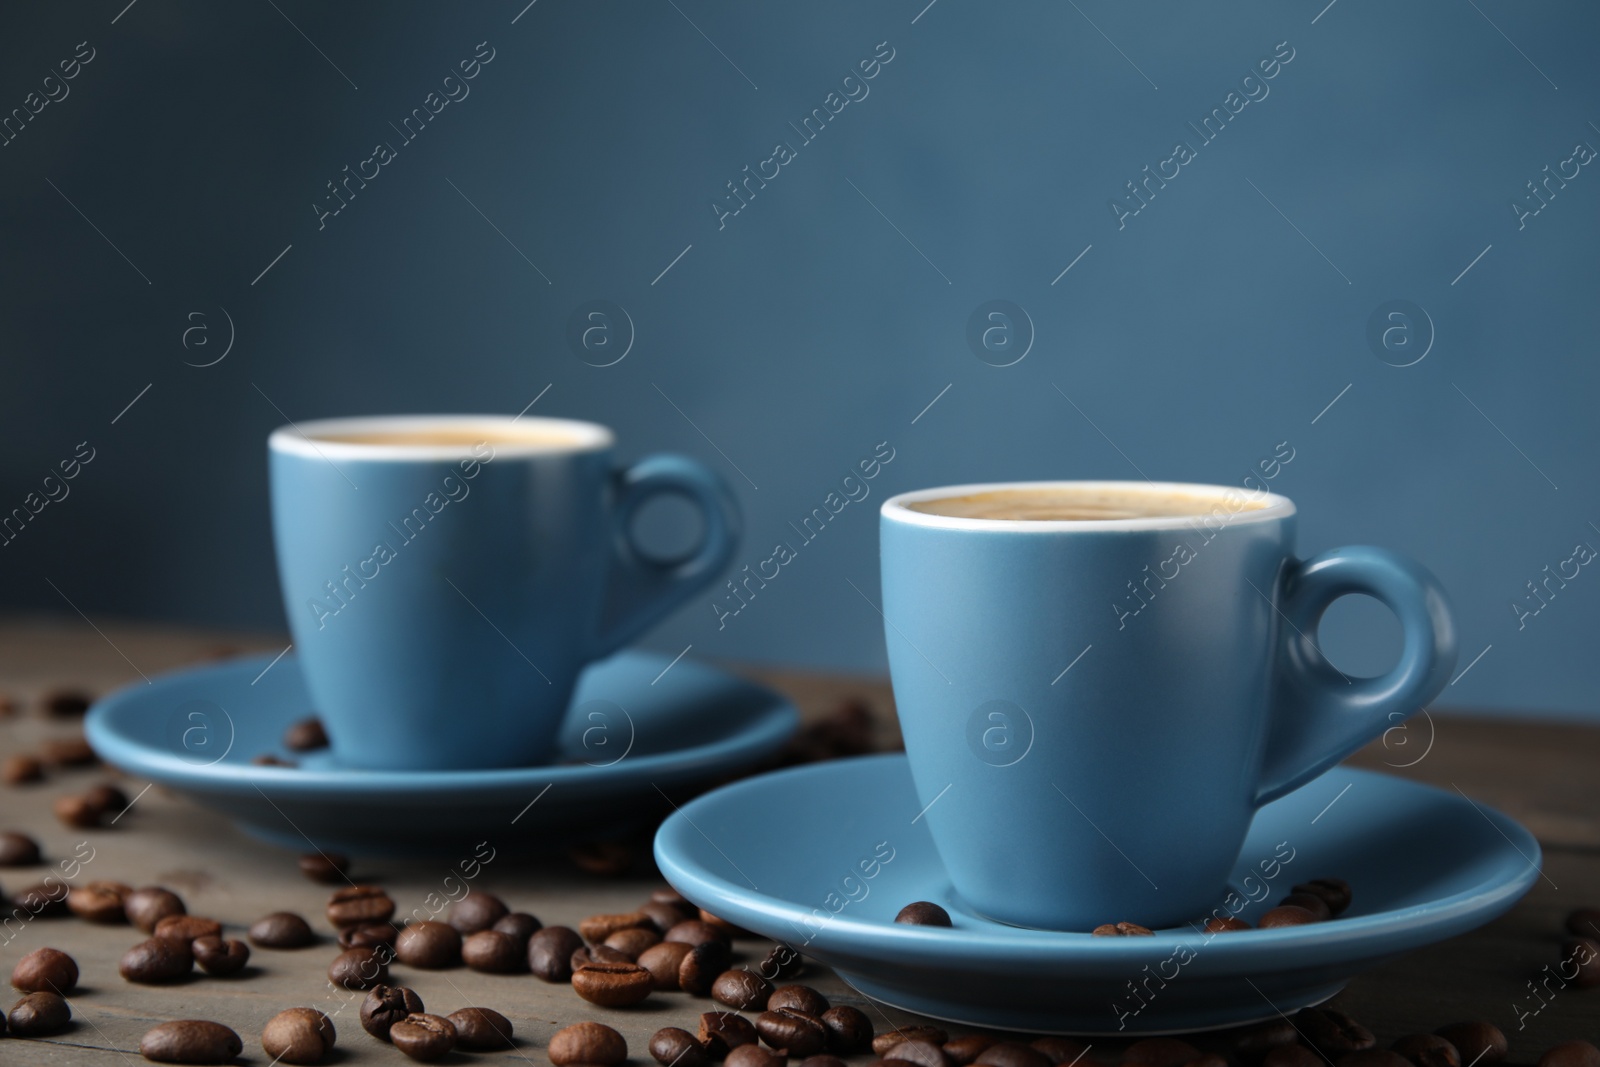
(1271,507)
(307,438)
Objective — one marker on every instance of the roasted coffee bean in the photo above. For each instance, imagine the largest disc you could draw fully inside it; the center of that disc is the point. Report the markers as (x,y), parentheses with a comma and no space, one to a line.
(1060,1050)
(1011,1054)
(423,1037)
(1476,1042)
(369,935)
(65,703)
(920,1053)
(68,752)
(672,1047)
(849,1030)
(148,906)
(1584,922)
(1571,1054)
(107,798)
(18,770)
(695,932)
(608,859)
(359,968)
(1285,915)
(1427,1050)
(923,913)
(583,957)
(782,962)
(550,953)
(1216,925)
(741,989)
(723,926)
(39,1015)
(1292,1056)
(1252,1043)
(99,902)
(663,961)
(1333,1033)
(1372,1057)
(45,970)
(431,946)
(1122,930)
(281,929)
(663,916)
(1335,892)
(157,960)
(701,965)
(77,811)
(47,900)
(723,1031)
(519,926)
(632,941)
(596,928)
(754,1056)
(587,1043)
(357,904)
(796,1032)
(326,868)
(190,1041)
(386,1005)
(476,911)
(187,927)
(18,850)
(668,895)
(492,952)
(1160,1052)
(481,1029)
(612,985)
(1581,956)
(220,957)
(961,1051)
(272,759)
(801,997)
(886,1041)
(822,1060)
(307,735)
(1317,906)
(299,1036)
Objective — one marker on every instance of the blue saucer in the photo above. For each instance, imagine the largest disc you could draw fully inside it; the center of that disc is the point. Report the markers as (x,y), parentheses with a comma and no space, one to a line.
(822,857)
(632,735)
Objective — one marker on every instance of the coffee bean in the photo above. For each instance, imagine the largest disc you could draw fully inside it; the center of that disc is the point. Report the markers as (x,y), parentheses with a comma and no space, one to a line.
(1317,906)
(481,1029)
(272,759)
(1011,1054)
(1427,1050)
(668,895)
(822,1060)
(741,989)
(18,770)
(1372,1057)
(923,913)
(307,735)
(920,1053)
(107,798)
(386,1005)
(476,911)
(298,1036)
(148,906)
(519,926)
(1292,1056)
(68,752)
(1335,892)
(327,868)
(283,930)
(663,961)
(1285,915)
(663,916)
(701,965)
(157,960)
(802,997)
(45,970)
(672,1047)
(754,1056)
(796,1032)
(612,985)
(369,935)
(357,904)
(1122,930)
(1249,1045)
(1216,925)
(219,957)
(597,954)
(1477,1042)
(39,1015)
(1581,957)
(587,1043)
(1571,1054)
(961,1051)
(190,1041)
(723,926)
(77,812)
(423,1037)
(99,902)
(359,968)
(633,941)
(1333,1033)
(722,1031)
(187,927)
(492,952)
(782,962)
(886,1041)
(550,953)
(1584,922)
(695,932)
(431,946)
(608,859)
(596,928)
(18,850)
(1160,1052)
(849,1030)
(65,703)
(47,900)
(1060,1050)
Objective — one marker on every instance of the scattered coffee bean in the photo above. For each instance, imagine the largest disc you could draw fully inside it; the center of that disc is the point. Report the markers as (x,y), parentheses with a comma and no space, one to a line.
(45,970)
(1571,1054)
(1427,1050)
(1160,1052)
(782,962)
(1317,906)
(481,1029)
(633,941)
(369,935)
(107,798)
(754,1056)
(187,927)
(695,932)
(19,770)
(1122,930)
(77,812)
(1335,892)
(596,928)
(307,735)
(583,957)
(1584,922)
(359,968)
(1011,1054)
(1333,1033)
(148,906)
(65,703)
(492,952)
(923,913)
(1477,1042)
(961,1051)
(723,926)
(1285,915)
(663,916)
(157,960)
(723,1031)
(283,930)
(1292,1056)
(550,953)
(668,895)
(476,911)
(357,904)
(272,759)
(822,1060)
(519,926)
(423,1037)
(741,989)
(1250,1044)
(1372,1057)
(39,1015)
(612,985)
(18,850)
(701,965)
(99,902)
(1216,925)
(886,1041)
(220,957)
(298,1036)
(431,946)
(849,1030)
(386,1005)
(190,1041)
(917,1052)
(800,1033)
(608,859)
(587,1043)
(68,752)
(663,961)
(802,997)
(672,1047)
(326,868)
(1060,1050)
(1581,955)
(47,900)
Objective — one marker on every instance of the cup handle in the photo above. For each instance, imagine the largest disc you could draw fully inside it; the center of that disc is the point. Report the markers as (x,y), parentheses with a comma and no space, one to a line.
(643,589)
(1319,715)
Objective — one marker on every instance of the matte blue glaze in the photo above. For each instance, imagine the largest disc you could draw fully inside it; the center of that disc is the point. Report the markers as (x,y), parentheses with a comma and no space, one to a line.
(1092,754)
(1425,865)
(196,731)
(462,649)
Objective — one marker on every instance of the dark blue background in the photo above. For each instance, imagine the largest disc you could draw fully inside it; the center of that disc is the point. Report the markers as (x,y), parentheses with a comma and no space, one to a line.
(827,315)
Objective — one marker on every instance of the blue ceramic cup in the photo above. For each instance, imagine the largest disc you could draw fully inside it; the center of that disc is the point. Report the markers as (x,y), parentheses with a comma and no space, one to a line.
(1094,708)
(447,577)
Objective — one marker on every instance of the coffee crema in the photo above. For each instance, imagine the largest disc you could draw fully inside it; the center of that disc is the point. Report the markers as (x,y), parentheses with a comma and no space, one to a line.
(1078,504)
(454,437)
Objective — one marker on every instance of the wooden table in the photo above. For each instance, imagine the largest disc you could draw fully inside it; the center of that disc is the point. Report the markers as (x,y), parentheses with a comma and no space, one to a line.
(1543,774)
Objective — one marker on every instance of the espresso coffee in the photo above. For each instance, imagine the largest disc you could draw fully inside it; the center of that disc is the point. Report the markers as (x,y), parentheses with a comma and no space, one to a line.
(455,437)
(1079,503)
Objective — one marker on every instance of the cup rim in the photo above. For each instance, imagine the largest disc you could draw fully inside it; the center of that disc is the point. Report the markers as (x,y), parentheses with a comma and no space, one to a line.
(302,439)
(1273,507)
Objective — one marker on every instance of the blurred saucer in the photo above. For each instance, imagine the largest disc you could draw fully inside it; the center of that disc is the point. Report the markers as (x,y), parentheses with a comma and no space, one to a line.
(632,736)
(849,850)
